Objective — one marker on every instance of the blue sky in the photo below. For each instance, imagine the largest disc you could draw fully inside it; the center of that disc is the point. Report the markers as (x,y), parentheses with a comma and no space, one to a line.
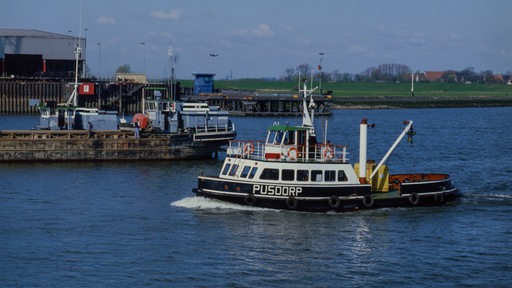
(263,38)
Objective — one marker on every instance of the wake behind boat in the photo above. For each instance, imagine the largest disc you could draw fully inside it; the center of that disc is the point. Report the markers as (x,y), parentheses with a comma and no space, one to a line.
(292,170)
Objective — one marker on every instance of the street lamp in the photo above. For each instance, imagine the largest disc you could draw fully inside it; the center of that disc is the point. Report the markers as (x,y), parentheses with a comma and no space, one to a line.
(99,59)
(320,69)
(213,55)
(144,44)
(99,74)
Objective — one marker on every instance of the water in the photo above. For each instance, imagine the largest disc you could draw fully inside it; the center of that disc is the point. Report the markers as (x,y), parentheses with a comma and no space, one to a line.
(138,224)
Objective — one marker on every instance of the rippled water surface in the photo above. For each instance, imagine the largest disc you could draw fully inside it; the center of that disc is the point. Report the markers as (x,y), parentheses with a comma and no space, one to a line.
(137,224)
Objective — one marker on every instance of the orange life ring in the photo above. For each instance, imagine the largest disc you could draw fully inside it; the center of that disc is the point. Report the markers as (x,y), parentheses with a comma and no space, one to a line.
(292,153)
(248,148)
(328,153)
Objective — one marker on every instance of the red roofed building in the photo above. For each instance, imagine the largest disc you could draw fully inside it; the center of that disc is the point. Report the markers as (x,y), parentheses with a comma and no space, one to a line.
(433,76)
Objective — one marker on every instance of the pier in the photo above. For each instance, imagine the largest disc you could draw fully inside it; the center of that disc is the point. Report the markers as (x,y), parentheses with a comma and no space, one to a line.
(23,96)
(254,103)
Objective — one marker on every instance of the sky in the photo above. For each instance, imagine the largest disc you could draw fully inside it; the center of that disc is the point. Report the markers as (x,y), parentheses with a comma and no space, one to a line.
(263,38)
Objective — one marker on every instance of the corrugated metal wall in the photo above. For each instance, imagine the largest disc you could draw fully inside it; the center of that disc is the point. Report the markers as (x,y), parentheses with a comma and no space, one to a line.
(14,96)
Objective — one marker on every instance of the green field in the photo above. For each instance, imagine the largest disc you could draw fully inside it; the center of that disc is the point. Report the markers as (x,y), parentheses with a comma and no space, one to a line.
(389,94)
(378,89)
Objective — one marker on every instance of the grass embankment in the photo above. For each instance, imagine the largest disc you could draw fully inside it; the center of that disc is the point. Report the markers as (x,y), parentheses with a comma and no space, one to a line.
(386,95)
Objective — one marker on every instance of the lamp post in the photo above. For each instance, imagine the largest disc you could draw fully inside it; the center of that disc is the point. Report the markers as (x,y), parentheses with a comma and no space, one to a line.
(213,55)
(320,69)
(99,59)
(99,74)
(144,46)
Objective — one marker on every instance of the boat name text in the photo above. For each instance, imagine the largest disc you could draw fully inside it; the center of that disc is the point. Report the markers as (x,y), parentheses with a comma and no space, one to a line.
(276,190)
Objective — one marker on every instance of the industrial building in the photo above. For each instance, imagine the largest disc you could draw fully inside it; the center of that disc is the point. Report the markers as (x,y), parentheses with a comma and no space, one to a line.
(32,53)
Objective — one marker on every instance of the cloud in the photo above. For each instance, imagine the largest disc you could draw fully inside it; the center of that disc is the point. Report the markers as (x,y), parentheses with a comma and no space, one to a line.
(106,20)
(171,15)
(261,31)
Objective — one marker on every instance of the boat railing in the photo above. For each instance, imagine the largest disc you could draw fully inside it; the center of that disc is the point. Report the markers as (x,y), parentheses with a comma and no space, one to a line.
(259,150)
(215,128)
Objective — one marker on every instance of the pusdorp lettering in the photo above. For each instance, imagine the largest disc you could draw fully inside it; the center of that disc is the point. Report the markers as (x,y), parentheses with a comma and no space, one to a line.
(276,190)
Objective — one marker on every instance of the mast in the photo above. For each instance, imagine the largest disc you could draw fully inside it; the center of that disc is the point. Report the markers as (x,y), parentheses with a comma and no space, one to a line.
(171,77)
(78,51)
(308,116)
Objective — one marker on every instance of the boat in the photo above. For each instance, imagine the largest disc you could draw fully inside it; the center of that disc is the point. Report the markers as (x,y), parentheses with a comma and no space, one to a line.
(292,170)
(166,129)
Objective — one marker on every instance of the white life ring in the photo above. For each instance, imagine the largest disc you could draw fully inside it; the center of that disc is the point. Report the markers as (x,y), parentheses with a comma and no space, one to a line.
(249,148)
(292,153)
(328,153)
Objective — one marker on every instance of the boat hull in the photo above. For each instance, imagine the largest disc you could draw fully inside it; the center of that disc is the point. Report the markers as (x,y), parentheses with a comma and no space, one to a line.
(26,146)
(323,199)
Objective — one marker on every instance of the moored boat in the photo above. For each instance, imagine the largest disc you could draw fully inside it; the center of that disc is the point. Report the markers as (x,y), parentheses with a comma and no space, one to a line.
(292,170)
(166,130)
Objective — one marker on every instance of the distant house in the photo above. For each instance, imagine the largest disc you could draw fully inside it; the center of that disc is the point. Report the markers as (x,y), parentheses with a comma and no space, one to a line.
(433,76)
(498,78)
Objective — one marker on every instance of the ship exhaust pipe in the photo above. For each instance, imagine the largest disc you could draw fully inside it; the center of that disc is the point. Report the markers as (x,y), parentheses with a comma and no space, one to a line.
(363,142)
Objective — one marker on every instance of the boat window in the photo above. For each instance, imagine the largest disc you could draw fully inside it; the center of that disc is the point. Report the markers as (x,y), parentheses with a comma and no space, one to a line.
(270,174)
(330,176)
(316,175)
(226,169)
(245,172)
(232,172)
(271,137)
(302,175)
(279,137)
(302,137)
(342,177)
(288,175)
(253,172)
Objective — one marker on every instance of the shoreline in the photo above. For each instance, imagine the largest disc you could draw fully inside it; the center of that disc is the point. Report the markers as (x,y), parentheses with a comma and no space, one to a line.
(394,102)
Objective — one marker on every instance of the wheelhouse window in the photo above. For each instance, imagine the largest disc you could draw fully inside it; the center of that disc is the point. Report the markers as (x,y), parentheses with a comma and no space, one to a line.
(330,176)
(302,175)
(226,169)
(316,175)
(342,177)
(270,174)
(253,172)
(232,172)
(288,175)
(276,137)
(245,171)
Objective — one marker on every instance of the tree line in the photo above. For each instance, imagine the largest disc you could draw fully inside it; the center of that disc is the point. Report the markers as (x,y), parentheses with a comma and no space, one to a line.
(392,72)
